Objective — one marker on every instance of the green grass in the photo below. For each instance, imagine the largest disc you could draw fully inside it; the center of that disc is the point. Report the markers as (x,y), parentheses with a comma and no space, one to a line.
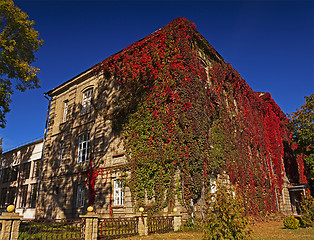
(277,231)
(261,231)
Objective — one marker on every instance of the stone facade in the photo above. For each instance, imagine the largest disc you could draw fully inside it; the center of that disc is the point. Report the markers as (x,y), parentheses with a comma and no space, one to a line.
(19,178)
(77,137)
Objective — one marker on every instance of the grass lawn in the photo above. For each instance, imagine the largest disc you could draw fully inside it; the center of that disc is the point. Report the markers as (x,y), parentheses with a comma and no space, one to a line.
(261,231)
(276,230)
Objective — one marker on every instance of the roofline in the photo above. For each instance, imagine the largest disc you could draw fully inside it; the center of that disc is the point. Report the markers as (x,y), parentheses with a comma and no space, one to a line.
(127,48)
(26,145)
(91,68)
(68,81)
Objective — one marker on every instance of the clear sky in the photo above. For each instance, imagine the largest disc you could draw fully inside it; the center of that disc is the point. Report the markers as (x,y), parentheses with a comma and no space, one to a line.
(270,43)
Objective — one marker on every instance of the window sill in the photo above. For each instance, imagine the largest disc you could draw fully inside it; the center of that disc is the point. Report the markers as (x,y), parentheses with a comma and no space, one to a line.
(117,207)
(118,155)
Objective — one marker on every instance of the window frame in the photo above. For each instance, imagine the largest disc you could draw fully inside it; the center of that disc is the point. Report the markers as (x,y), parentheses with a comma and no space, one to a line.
(83,148)
(23,196)
(3,196)
(80,196)
(65,111)
(33,196)
(14,173)
(118,193)
(26,174)
(87,101)
(61,153)
(6,175)
(36,168)
(11,195)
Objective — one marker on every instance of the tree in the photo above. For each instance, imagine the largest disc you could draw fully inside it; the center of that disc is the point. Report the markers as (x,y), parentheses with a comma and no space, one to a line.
(18,43)
(303,135)
(224,215)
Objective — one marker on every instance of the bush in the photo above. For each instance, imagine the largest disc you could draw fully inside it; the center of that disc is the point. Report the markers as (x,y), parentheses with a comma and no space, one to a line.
(307,211)
(224,216)
(192,224)
(291,223)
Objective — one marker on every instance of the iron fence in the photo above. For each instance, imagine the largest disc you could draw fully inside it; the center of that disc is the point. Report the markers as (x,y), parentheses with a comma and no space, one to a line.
(65,229)
(111,228)
(160,224)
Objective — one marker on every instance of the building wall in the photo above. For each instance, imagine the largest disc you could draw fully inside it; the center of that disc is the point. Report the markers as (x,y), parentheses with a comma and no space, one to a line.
(63,177)
(25,181)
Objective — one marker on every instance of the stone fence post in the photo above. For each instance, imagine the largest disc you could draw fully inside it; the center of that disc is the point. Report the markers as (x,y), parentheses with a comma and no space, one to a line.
(10,224)
(142,225)
(91,224)
(176,222)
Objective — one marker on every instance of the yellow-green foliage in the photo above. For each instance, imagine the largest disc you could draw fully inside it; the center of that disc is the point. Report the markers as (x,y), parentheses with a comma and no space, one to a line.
(18,42)
(307,211)
(225,216)
(291,222)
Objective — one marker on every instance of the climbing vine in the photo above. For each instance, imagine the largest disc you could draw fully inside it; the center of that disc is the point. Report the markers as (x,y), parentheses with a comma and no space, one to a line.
(184,112)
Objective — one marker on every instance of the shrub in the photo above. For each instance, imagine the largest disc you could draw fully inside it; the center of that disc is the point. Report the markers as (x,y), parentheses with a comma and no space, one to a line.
(307,211)
(224,216)
(192,224)
(291,222)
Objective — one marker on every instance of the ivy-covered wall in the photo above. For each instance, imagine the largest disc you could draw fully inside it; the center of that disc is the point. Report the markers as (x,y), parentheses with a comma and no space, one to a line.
(182,109)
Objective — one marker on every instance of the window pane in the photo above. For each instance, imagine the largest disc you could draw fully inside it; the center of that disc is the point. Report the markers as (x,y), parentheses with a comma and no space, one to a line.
(36,169)
(12,192)
(80,196)
(118,193)
(86,102)
(23,199)
(83,148)
(26,171)
(6,175)
(14,173)
(65,111)
(32,202)
(3,197)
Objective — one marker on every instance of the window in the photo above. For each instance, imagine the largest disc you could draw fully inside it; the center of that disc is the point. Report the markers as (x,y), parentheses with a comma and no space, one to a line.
(65,111)
(14,173)
(23,196)
(83,148)
(80,196)
(6,175)
(87,99)
(3,197)
(118,193)
(32,200)
(12,192)
(61,152)
(36,168)
(26,170)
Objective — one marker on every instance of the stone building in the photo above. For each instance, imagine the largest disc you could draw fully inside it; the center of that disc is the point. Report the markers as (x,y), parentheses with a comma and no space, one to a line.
(19,178)
(84,154)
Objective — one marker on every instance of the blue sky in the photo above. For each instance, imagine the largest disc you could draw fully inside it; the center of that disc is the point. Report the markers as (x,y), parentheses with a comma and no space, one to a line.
(270,43)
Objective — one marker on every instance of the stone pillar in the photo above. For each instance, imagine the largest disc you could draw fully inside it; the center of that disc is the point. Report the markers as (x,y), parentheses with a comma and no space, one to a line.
(10,225)
(91,226)
(176,222)
(142,225)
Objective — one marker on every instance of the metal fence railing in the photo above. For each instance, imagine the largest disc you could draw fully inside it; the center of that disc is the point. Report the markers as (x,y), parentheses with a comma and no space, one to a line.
(160,224)
(110,228)
(65,229)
